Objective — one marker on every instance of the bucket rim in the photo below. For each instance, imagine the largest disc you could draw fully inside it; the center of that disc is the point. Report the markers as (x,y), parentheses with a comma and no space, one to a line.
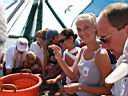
(26,89)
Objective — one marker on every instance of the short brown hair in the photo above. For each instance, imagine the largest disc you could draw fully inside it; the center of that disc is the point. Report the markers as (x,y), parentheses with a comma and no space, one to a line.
(69,32)
(38,33)
(117,14)
(42,33)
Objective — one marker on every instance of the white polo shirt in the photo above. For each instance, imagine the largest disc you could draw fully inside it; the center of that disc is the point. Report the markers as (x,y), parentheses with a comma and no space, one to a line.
(37,50)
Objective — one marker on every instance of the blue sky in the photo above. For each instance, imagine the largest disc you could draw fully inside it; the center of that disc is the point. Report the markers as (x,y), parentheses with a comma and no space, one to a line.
(97,5)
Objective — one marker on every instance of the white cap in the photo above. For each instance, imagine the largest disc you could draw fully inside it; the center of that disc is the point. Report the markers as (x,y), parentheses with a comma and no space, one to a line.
(120,72)
(22,44)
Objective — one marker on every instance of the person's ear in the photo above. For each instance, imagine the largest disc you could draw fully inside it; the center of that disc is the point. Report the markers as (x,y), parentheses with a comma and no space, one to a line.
(71,38)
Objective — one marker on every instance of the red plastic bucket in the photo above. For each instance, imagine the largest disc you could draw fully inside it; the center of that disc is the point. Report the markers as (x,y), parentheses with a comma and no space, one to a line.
(20,84)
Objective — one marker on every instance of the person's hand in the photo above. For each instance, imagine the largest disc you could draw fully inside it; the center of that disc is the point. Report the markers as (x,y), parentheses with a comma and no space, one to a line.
(69,88)
(35,67)
(51,81)
(58,94)
(56,51)
(1,66)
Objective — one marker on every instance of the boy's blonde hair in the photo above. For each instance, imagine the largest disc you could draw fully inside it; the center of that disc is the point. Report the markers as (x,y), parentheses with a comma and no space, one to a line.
(31,56)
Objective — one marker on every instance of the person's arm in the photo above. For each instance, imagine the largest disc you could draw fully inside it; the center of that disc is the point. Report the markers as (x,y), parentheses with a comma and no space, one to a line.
(103,63)
(67,70)
(70,72)
(9,61)
(58,78)
(1,61)
(39,63)
(45,59)
(77,87)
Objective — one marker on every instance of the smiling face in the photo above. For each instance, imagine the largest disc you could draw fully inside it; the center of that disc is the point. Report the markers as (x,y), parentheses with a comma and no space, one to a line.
(86,30)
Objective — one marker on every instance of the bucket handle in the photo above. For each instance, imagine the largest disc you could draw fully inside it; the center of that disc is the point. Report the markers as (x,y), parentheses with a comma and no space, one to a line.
(26,71)
(8,86)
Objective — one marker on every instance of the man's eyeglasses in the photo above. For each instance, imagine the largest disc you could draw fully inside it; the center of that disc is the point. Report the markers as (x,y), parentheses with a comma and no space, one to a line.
(62,40)
(105,39)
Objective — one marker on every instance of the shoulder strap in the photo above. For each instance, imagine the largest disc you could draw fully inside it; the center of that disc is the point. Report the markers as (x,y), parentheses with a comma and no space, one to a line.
(66,50)
(97,51)
(70,53)
(78,57)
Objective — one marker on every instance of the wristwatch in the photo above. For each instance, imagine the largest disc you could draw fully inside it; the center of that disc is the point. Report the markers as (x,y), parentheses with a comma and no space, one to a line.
(79,88)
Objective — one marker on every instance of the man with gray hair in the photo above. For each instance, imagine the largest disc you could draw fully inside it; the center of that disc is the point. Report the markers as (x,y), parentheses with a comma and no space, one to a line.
(3,34)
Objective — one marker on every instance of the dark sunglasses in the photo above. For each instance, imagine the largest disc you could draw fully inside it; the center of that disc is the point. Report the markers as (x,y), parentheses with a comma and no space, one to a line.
(62,40)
